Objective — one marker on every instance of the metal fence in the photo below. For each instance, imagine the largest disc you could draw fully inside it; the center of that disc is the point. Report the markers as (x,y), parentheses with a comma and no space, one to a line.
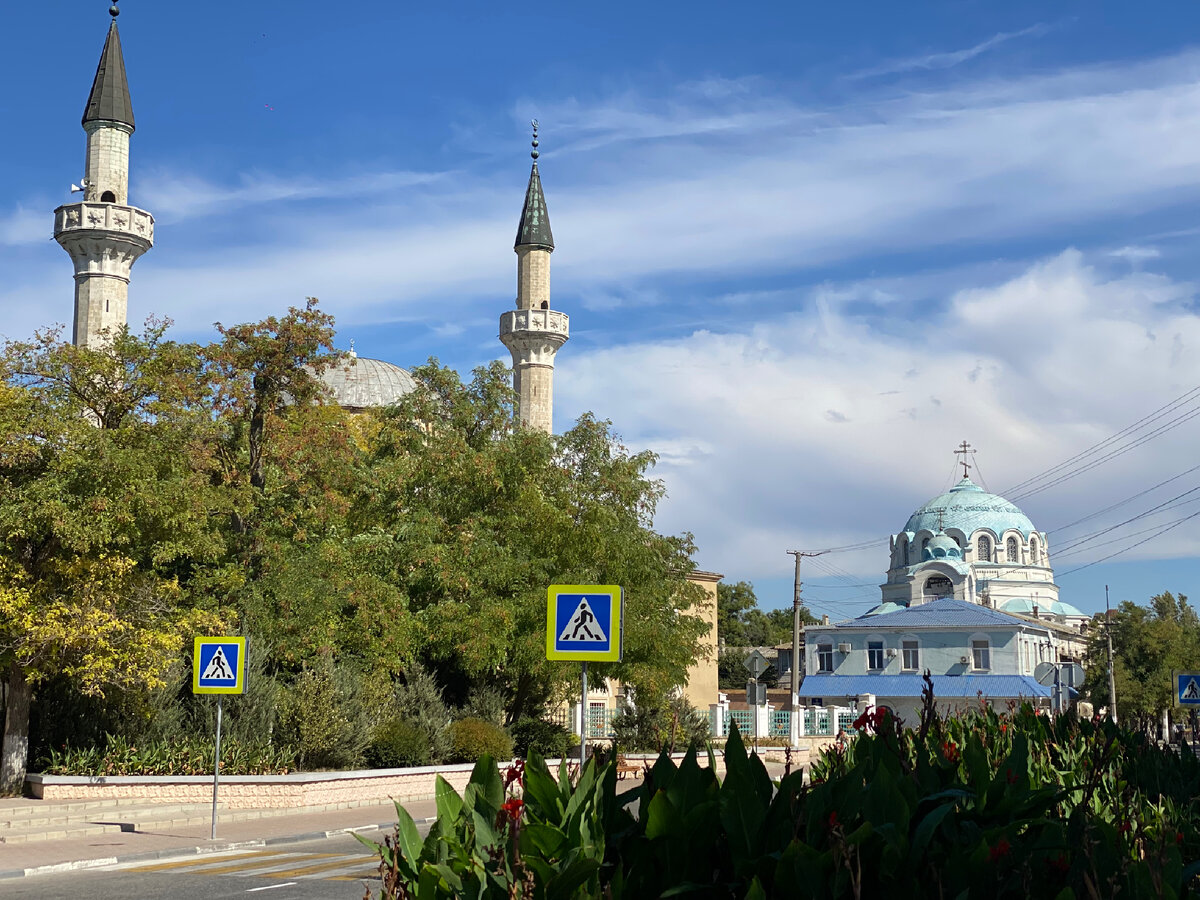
(600,719)
(781,724)
(744,719)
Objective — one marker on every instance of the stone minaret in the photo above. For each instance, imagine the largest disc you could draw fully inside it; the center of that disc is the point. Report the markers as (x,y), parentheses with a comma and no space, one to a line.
(104,234)
(533,332)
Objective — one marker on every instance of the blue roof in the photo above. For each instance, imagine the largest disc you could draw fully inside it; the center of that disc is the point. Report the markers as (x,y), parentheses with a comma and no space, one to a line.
(936,614)
(944,686)
(967,506)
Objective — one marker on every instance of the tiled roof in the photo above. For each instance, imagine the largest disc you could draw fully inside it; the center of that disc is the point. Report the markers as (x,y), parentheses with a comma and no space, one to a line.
(944,686)
(936,614)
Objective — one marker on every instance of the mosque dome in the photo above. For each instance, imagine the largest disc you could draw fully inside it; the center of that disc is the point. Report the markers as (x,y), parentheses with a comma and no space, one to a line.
(968,507)
(1045,605)
(358,383)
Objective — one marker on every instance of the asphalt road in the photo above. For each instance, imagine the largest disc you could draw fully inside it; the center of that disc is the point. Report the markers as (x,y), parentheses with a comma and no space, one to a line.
(337,868)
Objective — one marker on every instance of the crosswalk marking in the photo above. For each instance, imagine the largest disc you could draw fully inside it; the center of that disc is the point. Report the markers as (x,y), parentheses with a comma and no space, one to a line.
(275,864)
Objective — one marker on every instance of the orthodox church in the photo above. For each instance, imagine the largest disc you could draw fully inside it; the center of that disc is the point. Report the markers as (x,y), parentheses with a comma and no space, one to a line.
(105,235)
(970,597)
(968,544)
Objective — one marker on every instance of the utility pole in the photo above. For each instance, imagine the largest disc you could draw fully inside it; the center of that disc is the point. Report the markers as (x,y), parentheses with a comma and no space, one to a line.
(1112,681)
(795,686)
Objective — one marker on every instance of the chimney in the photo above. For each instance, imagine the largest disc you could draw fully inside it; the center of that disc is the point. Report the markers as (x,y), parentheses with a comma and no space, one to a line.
(824,620)
(1035,612)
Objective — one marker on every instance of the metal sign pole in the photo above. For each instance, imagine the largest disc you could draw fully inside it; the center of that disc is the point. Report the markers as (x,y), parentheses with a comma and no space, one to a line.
(216,770)
(583,723)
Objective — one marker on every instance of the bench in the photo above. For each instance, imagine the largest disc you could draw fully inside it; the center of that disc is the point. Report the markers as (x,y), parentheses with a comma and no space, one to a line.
(625,767)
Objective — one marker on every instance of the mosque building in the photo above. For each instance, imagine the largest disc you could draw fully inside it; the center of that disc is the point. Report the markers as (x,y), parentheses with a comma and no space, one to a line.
(105,236)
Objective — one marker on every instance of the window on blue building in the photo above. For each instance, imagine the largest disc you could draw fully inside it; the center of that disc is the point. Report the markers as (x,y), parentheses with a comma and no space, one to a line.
(824,657)
(875,654)
(981,654)
(912,655)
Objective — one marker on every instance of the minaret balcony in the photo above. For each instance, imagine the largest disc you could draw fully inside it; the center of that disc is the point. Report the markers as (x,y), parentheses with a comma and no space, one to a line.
(124,223)
(548,323)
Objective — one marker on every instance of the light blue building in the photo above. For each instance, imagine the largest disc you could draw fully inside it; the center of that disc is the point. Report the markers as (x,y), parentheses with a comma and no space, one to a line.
(970,651)
(970,596)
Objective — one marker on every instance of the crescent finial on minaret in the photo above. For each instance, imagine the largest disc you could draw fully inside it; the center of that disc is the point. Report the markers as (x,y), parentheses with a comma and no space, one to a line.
(534,152)
(113,10)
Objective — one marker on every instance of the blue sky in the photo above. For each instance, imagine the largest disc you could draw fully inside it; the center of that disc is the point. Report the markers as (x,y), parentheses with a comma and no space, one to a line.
(806,249)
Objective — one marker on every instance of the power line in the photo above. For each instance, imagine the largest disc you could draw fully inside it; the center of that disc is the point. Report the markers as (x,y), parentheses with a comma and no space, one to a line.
(1173,525)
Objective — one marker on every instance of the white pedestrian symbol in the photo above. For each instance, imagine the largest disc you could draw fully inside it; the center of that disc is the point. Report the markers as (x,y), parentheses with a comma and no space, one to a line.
(1191,692)
(582,626)
(218,667)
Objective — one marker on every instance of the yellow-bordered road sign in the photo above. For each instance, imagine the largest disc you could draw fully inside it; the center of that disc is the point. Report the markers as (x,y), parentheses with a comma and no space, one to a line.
(1187,688)
(219,665)
(583,622)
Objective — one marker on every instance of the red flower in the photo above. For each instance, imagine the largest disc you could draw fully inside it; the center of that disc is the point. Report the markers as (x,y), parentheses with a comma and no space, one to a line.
(1012,777)
(1179,837)
(833,819)
(1001,849)
(512,808)
(950,751)
(1059,863)
(1126,827)
(1003,728)
(515,773)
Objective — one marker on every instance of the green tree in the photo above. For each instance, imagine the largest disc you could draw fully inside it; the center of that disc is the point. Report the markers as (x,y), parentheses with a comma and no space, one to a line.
(741,625)
(485,514)
(1148,643)
(105,501)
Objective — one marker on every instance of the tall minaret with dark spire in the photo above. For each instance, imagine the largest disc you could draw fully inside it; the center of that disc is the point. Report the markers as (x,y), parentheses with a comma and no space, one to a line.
(533,332)
(104,234)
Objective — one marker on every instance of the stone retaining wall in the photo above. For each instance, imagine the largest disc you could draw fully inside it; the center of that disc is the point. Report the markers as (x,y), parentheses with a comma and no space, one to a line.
(316,789)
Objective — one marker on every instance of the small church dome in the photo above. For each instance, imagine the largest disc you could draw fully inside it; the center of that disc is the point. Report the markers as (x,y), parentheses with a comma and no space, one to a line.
(942,546)
(358,383)
(968,507)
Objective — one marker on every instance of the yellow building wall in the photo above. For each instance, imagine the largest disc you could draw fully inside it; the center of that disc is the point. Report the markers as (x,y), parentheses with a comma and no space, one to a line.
(701,687)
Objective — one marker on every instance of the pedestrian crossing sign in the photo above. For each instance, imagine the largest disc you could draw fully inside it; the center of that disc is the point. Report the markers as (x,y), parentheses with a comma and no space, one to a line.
(219,665)
(1187,688)
(583,622)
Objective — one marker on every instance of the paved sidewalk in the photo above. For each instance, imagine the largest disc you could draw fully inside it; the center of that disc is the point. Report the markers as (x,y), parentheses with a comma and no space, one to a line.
(17,860)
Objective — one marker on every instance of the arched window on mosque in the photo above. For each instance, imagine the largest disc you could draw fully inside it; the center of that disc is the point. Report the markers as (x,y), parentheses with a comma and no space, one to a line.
(1033,550)
(984,549)
(924,547)
(1014,554)
(902,551)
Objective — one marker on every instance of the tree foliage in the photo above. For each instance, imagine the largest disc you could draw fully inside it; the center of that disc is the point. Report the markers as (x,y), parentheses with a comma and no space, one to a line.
(1148,643)
(155,490)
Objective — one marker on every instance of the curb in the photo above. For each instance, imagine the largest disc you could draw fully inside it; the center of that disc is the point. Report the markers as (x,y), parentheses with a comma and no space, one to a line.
(174,852)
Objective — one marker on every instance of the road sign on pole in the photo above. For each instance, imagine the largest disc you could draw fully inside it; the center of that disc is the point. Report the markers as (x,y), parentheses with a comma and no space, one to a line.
(756,663)
(219,665)
(1187,688)
(583,622)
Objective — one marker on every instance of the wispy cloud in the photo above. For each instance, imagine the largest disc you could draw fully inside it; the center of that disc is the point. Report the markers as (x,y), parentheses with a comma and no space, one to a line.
(24,226)
(949,59)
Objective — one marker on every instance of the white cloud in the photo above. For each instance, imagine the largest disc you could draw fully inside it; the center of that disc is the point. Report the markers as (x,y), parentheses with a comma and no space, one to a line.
(24,226)
(821,430)
(949,59)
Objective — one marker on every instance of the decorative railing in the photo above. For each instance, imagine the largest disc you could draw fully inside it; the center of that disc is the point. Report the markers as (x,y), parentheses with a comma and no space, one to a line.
(600,719)
(540,320)
(85,217)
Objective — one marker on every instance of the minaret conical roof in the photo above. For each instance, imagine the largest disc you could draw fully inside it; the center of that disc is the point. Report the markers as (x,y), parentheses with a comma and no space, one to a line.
(109,100)
(534,230)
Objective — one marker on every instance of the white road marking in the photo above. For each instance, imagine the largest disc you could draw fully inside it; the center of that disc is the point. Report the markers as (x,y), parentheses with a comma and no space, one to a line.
(270,887)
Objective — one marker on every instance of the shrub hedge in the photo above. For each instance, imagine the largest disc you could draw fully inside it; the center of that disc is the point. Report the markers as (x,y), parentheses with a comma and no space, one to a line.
(471,739)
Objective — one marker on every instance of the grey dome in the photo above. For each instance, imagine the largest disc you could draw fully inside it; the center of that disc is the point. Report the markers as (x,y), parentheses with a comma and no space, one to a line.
(359,383)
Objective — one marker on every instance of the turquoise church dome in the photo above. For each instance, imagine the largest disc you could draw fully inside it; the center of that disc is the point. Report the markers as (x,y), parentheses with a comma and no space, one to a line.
(968,507)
